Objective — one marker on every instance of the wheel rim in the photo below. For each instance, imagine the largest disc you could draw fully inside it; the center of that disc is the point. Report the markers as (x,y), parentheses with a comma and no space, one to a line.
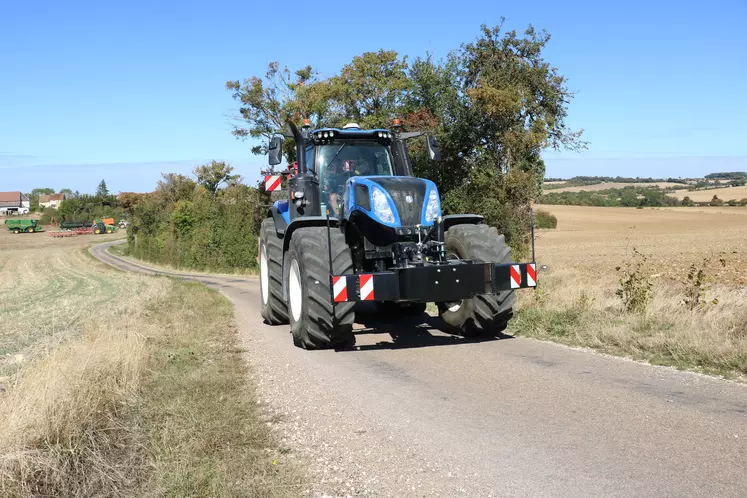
(264,275)
(453,306)
(294,291)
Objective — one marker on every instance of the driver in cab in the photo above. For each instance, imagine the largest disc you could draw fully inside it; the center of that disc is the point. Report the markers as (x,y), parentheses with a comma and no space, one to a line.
(337,173)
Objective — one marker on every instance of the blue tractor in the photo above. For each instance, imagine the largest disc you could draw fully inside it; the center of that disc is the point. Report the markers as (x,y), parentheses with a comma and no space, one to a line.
(358,226)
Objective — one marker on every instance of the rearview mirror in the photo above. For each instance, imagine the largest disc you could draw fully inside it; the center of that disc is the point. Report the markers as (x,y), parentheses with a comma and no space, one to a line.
(433,151)
(275,151)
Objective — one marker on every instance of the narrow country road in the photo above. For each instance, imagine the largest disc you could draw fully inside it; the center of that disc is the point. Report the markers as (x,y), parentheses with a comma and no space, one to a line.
(412,411)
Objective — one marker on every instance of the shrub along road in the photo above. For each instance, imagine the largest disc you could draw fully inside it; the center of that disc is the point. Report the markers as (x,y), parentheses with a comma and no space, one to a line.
(411,411)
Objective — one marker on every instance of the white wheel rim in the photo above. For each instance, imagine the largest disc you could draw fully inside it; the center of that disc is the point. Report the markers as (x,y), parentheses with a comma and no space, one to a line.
(294,290)
(455,307)
(264,275)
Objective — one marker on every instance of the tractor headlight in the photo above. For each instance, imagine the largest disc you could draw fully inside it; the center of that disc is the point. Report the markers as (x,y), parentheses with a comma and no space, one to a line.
(381,206)
(433,209)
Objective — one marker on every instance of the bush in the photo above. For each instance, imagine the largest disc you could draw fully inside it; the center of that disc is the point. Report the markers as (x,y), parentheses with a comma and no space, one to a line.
(543,219)
(635,284)
(47,215)
(716,201)
(743,202)
(732,202)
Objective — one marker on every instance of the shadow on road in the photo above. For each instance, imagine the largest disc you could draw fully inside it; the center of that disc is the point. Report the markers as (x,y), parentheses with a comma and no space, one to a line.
(406,332)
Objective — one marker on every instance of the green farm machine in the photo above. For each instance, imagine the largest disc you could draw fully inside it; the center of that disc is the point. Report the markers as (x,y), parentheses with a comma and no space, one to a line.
(23,226)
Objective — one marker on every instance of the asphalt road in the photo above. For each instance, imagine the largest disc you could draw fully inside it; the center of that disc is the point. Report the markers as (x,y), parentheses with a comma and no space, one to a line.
(412,411)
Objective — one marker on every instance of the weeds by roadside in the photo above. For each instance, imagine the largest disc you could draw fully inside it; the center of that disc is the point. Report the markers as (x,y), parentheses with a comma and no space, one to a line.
(690,324)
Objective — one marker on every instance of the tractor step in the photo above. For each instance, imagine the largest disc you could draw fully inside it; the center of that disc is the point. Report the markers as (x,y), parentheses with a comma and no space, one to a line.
(435,283)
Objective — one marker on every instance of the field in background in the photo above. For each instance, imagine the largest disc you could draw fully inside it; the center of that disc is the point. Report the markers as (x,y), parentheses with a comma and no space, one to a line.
(114,383)
(607,185)
(725,194)
(576,301)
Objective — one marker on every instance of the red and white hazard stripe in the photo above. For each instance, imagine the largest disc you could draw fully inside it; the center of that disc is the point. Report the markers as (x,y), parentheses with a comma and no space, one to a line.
(531,275)
(515,276)
(367,288)
(340,289)
(272,183)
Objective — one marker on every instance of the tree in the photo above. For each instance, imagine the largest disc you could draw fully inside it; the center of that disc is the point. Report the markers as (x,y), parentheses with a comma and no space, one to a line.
(212,176)
(370,90)
(102,190)
(686,201)
(174,187)
(266,104)
(42,191)
(67,192)
(716,201)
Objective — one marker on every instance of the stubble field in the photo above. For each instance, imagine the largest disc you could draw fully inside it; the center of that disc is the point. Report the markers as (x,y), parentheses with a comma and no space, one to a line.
(119,384)
(698,322)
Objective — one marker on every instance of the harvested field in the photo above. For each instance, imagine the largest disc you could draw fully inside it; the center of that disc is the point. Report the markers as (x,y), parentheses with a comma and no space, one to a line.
(706,195)
(576,301)
(122,384)
(608,185)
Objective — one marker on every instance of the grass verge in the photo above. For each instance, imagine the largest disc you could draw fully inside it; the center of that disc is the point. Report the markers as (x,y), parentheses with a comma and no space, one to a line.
(156,404)
(577,311)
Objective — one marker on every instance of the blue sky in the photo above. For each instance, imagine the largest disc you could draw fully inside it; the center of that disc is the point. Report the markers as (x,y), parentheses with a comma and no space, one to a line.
(126,90)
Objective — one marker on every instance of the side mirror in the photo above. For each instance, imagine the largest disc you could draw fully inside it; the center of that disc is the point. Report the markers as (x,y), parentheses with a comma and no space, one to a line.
(275,151)
(433,151)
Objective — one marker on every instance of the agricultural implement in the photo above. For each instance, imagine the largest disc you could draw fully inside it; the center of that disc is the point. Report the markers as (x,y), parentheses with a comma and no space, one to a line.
(97,226)
(23,226)
(357,226)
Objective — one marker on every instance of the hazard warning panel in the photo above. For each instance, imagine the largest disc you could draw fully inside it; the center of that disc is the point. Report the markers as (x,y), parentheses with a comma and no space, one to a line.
(272,183)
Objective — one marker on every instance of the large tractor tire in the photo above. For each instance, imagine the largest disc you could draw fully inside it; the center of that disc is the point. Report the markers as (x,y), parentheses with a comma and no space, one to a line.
(274,309)
(486,314)
(315,322)
(30,229)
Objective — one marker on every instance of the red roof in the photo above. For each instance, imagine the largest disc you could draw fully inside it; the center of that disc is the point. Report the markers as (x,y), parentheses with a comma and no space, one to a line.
(52,197)
(10,196)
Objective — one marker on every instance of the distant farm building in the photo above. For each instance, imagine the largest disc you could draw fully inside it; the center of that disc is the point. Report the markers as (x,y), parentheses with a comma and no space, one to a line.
(13,200)
(53,200)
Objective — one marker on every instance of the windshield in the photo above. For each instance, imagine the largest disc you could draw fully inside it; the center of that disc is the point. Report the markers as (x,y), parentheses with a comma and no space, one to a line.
(337,162)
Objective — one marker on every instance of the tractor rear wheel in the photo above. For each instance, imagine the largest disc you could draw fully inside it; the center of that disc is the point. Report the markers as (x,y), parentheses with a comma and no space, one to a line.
(274,309)
(485,314)
(316,322)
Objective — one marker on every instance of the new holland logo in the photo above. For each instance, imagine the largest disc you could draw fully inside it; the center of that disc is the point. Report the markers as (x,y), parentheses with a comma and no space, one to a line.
(408,199)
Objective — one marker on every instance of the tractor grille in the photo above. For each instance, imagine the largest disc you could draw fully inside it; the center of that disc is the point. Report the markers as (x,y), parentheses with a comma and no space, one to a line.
(402,188)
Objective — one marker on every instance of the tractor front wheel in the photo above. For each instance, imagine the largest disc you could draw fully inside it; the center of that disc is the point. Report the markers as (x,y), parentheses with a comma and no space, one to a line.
(485,314)
(15,230)
(317,322)
(274,309)
(30,229)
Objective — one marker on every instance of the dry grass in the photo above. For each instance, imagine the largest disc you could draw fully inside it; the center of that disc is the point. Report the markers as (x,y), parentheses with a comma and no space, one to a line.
(706,195)
(576,302)
(119,384)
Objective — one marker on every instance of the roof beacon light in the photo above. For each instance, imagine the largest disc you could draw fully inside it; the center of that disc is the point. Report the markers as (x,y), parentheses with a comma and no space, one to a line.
(397,122)
(306,122)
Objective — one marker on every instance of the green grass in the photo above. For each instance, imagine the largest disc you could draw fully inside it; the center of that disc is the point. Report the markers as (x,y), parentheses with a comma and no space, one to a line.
(205,436)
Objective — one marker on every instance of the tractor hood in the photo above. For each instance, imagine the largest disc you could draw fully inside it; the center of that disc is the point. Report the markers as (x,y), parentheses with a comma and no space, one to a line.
(395,201)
